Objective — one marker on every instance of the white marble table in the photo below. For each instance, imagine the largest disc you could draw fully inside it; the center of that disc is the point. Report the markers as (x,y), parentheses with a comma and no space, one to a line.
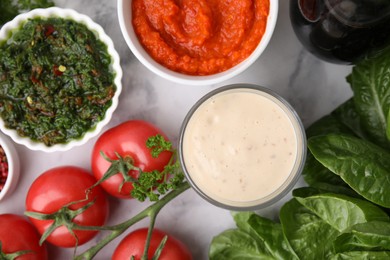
(313,87)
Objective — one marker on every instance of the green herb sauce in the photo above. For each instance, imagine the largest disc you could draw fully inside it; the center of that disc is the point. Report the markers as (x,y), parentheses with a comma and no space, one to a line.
(55,80)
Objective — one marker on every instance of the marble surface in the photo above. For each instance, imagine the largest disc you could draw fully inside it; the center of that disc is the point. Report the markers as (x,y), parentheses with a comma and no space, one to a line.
(313,87)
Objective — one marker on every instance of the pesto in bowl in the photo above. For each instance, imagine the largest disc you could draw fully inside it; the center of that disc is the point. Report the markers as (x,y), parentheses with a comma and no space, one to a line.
(56,80)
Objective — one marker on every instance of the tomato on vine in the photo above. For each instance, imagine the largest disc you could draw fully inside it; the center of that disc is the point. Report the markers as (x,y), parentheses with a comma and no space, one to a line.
(121,155)
(19,239)
(60,201)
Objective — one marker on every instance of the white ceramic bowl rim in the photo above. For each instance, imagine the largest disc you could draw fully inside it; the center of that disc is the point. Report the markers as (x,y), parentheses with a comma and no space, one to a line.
(115,66)
(13,166)
(137,49)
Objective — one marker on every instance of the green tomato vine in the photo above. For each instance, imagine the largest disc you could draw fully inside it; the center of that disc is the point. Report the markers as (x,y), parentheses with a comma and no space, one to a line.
(158,186)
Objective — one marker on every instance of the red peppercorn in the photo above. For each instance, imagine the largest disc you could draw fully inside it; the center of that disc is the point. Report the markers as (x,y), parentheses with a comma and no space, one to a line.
(49,30)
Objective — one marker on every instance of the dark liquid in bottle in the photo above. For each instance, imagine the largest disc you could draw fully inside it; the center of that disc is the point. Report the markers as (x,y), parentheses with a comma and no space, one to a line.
(341,31)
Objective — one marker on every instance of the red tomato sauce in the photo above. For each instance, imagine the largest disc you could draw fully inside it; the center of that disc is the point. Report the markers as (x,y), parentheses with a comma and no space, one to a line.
(199,37)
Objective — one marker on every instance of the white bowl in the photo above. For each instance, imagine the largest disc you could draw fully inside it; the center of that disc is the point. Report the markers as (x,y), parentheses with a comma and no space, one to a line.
(125,22)
(13,166)
(5,33)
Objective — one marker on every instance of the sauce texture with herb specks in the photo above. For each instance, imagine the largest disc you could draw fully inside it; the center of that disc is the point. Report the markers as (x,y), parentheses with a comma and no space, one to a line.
(239,146)
(55,80)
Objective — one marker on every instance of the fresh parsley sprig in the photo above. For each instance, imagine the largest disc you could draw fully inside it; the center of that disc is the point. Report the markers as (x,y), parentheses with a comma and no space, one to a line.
(155,183)
(157,144)
(149,184)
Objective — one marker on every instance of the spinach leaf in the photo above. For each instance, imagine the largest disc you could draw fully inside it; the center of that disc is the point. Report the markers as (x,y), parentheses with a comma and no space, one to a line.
(370,236)
(371,86)
(347,114)
(255,238)
(339,211)
(314,173)
(362,255)
(362,165)
(236,244)
(330,188)
(266,232)
(309,236)
(327,124)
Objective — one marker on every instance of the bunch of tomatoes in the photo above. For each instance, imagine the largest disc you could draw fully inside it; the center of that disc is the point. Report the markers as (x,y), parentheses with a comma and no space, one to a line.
(65,187)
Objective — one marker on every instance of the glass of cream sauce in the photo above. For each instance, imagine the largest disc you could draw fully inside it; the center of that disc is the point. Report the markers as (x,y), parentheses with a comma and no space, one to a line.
(242,147)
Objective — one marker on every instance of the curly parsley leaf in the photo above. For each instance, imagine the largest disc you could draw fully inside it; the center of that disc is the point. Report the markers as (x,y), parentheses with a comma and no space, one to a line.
(149,184)
(154,184)
(158,144)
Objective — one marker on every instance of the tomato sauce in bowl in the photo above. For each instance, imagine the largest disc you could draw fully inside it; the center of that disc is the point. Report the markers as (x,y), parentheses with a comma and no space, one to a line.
(199,37)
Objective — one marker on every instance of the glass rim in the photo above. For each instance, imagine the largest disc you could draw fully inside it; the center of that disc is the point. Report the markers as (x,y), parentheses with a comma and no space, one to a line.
(366,20)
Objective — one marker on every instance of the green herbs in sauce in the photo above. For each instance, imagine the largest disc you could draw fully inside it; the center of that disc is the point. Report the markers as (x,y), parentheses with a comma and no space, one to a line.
(55,80)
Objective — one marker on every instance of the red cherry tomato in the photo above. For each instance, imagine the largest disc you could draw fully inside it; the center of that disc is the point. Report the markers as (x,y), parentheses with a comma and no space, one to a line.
(133,245)
(18,234)
(58,187)
(128,140)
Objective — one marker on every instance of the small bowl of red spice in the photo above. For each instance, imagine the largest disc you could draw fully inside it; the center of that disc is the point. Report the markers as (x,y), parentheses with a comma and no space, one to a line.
(197,42)
(9,167)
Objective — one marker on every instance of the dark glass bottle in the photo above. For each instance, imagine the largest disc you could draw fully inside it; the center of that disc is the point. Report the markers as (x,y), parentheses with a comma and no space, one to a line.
(341,31)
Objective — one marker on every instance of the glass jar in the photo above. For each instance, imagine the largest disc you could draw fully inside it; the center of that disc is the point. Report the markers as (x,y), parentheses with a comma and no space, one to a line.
(341,31)
(242,147)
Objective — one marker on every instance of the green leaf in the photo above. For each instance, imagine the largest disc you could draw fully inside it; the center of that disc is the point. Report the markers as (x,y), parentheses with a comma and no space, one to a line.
(314,173)
(236,244)
(309,236)
(388,126)
(362,255)
(364,166)
(266,232)
(255,238)
(370,236)
(157,144)
(329,188)
(327,124)
(318,176)
(339,211)
(347,114)
(371,86)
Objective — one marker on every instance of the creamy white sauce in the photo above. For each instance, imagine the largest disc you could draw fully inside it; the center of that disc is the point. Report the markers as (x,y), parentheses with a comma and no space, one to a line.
(240,145)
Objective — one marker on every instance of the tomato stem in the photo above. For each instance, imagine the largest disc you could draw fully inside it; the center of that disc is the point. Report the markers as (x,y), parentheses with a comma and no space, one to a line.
(160,247)
(14,255)
(120,165)
(116,230)
(153,216)
(63,217)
